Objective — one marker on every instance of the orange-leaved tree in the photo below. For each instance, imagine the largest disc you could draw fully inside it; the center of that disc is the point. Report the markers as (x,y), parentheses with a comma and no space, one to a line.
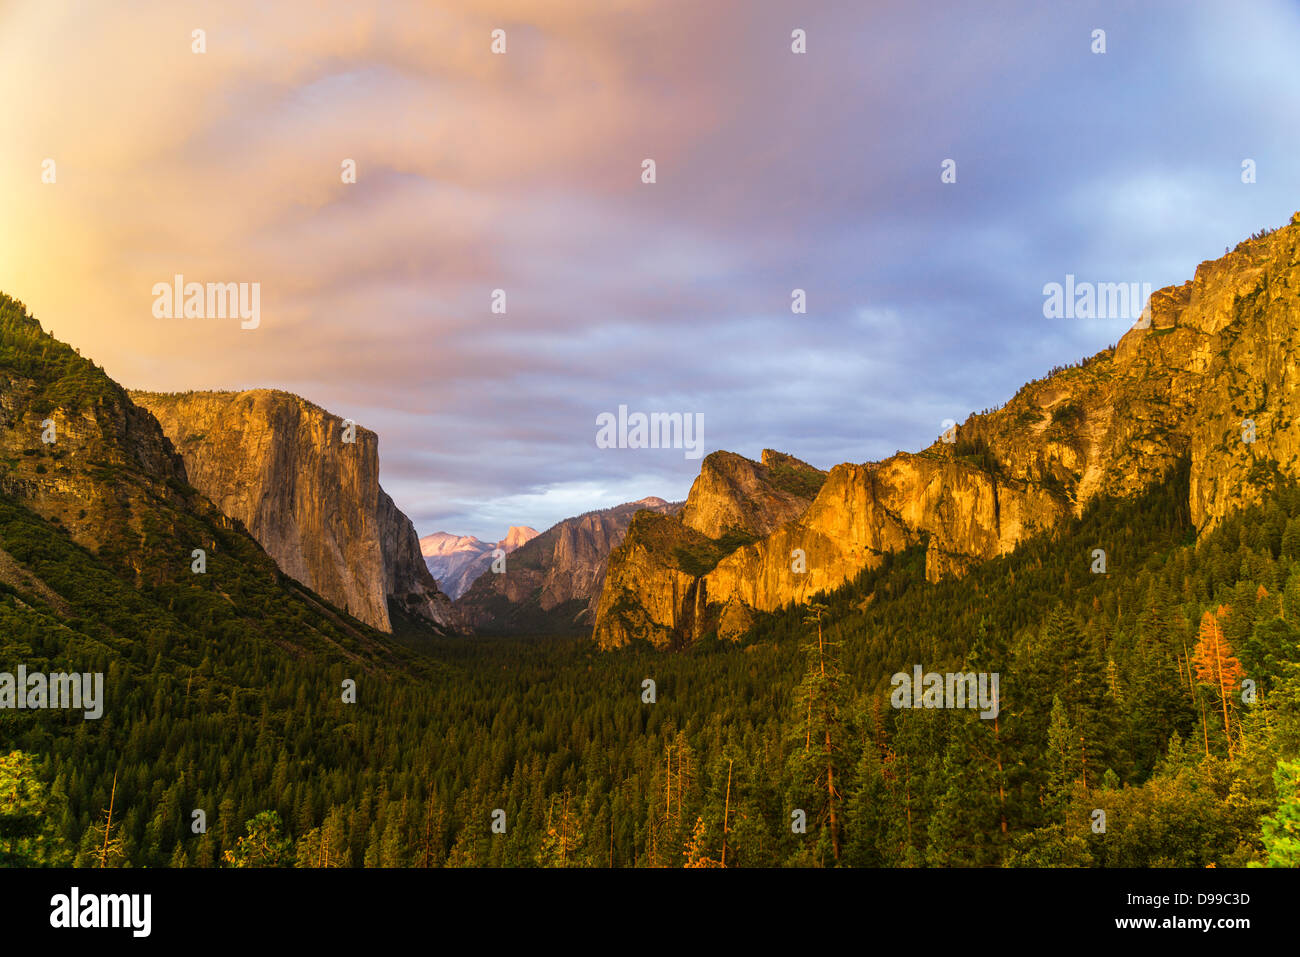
(1216,665)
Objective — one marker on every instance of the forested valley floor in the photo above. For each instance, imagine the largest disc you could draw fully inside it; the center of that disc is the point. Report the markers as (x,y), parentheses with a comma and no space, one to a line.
(1120,692)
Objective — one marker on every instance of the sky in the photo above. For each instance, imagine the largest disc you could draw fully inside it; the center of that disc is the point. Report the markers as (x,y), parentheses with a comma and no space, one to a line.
(523,171)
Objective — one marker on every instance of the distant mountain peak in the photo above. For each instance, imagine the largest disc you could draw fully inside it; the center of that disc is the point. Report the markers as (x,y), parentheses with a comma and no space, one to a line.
(516,536)
(554,578)
(457,560)
(445,543)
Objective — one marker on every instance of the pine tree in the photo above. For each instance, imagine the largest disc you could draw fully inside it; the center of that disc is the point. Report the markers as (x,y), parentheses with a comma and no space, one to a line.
(264,844)
(429,851)
(392,847)
(1272,645)
(28,816)
(696,852)
(1065,767)
(563,836)
(867,812)
(103,846)
(818,710)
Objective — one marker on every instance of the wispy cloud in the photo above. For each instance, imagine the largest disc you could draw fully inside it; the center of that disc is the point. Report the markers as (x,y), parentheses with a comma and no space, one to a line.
(522,172)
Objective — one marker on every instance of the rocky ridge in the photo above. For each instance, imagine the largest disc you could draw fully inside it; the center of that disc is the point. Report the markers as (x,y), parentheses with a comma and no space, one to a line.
(1209,374)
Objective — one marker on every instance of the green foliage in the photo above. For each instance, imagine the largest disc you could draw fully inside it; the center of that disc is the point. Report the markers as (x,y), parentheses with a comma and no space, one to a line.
(817,727)
(803,482)
(29,813)
(977,452)
(699,555)
(1282,829)
(60,377)
(264,844)
(223,714)
(1067,415)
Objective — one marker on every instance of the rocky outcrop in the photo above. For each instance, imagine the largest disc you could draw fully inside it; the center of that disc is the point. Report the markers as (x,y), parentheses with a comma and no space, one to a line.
(309,492)
(407,581)
(733,493)
(1209,374)
(654,587)
(865,511)
(552,582)
(457,560)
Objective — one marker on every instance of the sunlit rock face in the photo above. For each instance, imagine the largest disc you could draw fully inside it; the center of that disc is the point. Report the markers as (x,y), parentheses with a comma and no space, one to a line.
(285,469)
(1208,374)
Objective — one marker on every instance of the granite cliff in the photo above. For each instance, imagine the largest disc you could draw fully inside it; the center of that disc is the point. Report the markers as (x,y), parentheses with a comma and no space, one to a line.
(103,530)
(282,466)
(1208,374)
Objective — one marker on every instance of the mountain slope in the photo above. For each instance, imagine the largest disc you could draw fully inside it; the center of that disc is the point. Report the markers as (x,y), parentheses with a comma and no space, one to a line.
(1210,374)
(280,465)
(101,523)
(551,584)
(222,689)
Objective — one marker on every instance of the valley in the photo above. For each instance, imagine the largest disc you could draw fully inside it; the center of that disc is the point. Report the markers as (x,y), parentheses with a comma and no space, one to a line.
(325,703)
